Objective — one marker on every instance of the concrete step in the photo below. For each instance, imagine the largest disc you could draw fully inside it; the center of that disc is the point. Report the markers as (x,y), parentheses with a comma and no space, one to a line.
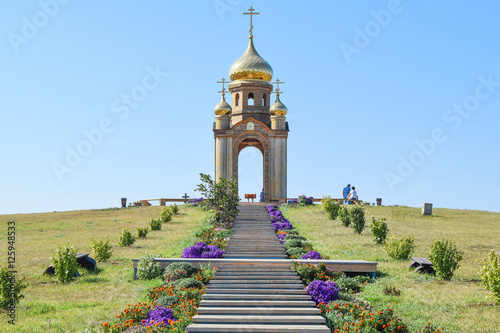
(234,290)
(250,297)
(254,277)
(258,310)
(259,319)
(276,286)
(255,281)
(213,328)
(258,303)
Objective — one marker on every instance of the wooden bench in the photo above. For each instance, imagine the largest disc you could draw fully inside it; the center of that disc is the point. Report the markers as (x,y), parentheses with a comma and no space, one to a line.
(339,201)
(250,196)
(346,266)
(421,265)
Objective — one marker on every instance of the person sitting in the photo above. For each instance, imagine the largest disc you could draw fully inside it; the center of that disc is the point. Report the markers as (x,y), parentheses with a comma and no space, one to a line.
(352,195)
(345,192)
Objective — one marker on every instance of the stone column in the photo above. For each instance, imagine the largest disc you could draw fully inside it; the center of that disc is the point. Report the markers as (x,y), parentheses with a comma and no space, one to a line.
(223,148)
(278,174)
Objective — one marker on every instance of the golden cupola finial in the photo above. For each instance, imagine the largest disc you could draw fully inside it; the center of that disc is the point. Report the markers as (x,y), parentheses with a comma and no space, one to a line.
(251,66)
(222,108)
(278,108)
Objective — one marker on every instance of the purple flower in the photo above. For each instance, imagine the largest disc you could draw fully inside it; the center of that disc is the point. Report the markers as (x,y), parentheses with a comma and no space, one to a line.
(312,255)
(160,315)
(323,292)
(282,236)
(202,250)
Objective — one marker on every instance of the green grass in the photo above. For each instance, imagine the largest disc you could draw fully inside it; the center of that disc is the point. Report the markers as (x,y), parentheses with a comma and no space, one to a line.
(458,305)
(94,297)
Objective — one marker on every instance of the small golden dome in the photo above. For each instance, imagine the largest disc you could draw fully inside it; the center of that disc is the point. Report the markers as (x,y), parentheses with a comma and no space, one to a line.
(278,108)
(251,66)
(222,108)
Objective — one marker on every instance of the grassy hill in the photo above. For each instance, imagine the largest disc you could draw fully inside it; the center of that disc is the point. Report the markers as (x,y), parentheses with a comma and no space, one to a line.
(459,305)
(93,298)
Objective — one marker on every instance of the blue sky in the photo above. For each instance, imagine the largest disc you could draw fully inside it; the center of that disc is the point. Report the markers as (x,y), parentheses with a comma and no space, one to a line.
(398,98)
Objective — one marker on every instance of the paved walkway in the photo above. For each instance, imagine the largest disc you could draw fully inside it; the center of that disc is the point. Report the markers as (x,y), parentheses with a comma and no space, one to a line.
(256,297)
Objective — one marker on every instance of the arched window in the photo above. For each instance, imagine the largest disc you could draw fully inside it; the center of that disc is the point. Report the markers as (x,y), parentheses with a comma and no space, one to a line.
(237,100)
(250,99)
(264,100)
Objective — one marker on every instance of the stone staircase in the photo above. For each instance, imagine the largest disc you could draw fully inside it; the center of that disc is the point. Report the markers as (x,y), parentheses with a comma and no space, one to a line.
(256,297)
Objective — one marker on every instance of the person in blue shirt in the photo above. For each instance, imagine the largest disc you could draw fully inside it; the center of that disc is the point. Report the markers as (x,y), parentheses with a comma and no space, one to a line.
(345,192)
(262,195)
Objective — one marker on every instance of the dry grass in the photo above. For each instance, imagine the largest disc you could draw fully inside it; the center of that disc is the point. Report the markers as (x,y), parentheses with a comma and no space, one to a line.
(51,307)
(459,305)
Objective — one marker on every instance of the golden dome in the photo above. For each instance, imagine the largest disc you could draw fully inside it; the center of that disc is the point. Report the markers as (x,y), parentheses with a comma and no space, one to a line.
(278,108)
(251,66)
(222,108)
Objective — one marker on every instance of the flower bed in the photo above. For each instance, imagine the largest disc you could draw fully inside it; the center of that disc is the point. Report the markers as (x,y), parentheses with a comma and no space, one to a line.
(334,293)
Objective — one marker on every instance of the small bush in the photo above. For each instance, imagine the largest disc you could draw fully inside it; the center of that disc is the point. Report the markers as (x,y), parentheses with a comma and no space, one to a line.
(304,201)
(330,207)
(310,272)
(345,216)
(352,284)
(379,230)
(290,236)
(392,291)
(155,224)
(142,232)
(126,238)
(101,248)
(186,283)
(175,209)
(295,251)
(358,219)
(445,258)
(292,243)
(400,248)
(147,269)
(10,288)
(166,215)
(167,301)
(187,267)
(490,275)
(64,263)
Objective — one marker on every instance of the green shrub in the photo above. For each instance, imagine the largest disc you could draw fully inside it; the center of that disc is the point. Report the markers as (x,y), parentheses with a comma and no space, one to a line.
(400,248)
(155,224)
(126,238)
(379,230)
(221,196)
(64,263)
(186,283)
(166,215)
(330,207)
(490,275)
(311,272)
(147,268)
(358,219)
(445,258)
(175,209)
(101,248)
(189,268)
(295,251)
(292,243)
(10,288)
(352,284)
(345,216)
(142,232)
(290,236)
(167,301)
